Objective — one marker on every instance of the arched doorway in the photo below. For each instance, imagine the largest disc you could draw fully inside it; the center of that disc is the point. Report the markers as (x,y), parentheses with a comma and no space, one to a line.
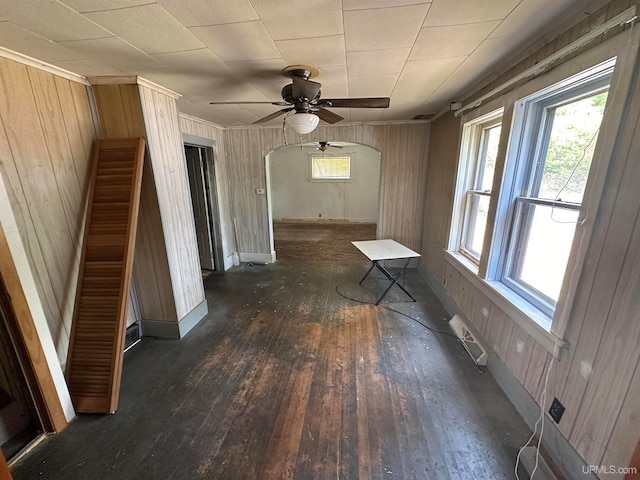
(332,182)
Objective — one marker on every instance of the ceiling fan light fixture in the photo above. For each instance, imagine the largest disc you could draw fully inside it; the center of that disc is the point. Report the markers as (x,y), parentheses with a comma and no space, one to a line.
(303,123)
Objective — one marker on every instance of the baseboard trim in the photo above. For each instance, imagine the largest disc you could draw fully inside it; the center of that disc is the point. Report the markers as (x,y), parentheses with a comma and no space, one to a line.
(175,330)
(258,257)
(557,446)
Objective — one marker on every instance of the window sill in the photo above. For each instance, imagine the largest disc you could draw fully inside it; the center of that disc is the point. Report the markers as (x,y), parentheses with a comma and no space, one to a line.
(529,318)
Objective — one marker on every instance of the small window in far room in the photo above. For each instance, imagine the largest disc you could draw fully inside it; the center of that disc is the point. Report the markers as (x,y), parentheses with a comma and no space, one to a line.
(331,168)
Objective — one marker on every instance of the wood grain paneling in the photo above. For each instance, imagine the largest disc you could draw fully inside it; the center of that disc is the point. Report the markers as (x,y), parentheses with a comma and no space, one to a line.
(598,377)
(166,241)
(46,132)
(404,160)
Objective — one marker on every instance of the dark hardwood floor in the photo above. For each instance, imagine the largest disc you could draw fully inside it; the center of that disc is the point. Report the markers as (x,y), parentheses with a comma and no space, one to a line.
(285,378)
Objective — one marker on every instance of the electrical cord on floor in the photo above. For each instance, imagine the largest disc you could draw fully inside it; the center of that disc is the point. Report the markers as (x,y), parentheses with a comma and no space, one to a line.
(432,330)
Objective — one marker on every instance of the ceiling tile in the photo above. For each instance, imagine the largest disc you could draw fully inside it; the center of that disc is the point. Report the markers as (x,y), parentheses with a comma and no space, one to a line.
(383,28)
(114,53)
(335,91)
(376,62)
(87,68)
(314,18)
(435,42)
(316,52)
(330,76)
(421,78)
(194,62)
(95,5)
(238,42)
(210,12)
(458,12)
(530,16)
(372,85)
(149,28)
(20,40)
(52,20)
(367,4)
(366,114)
(264,75)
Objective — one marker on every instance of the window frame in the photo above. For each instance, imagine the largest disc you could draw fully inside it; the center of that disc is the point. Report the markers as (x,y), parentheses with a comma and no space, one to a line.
(324,156)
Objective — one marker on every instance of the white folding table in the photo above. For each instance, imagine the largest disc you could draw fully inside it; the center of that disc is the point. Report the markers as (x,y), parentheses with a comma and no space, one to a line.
(380,250)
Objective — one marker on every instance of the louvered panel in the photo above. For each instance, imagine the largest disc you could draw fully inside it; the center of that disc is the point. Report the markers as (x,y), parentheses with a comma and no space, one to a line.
(94,363)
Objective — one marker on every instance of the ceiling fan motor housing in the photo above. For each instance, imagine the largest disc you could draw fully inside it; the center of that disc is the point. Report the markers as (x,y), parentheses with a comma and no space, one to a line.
(302,104)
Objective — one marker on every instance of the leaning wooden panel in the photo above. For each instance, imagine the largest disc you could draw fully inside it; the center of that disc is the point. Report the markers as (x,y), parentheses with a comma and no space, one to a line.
(94,363)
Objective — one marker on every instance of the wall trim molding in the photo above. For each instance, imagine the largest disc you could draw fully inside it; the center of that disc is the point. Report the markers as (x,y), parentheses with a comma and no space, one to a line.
(174,330)
(40,65)
(246,257)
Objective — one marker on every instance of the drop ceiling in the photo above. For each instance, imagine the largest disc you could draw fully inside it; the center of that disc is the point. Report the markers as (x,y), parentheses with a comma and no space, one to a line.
(422,54)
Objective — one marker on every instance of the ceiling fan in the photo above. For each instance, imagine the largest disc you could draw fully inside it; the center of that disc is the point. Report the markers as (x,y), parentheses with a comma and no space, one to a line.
(322,146)
(303,96)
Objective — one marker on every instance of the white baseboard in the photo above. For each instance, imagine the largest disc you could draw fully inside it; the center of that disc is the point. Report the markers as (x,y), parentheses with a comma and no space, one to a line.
(257,257)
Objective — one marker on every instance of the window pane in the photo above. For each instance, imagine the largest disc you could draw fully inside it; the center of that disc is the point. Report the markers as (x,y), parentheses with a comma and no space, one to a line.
(330,167)
(489,153)
(545,235)
(570,149)
(475,224)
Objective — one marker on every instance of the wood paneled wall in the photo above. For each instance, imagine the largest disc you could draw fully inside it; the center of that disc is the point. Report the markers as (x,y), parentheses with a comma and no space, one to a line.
(46,135)
(167,277)
(598,377)
(404,159)
(201,128)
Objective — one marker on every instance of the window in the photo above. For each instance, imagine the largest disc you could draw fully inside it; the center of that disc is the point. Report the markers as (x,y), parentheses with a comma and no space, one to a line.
(555,131)
(480,150)
(520,254)
(330,168)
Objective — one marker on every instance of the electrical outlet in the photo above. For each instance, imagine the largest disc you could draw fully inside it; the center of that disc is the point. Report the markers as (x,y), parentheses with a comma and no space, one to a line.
(556,410)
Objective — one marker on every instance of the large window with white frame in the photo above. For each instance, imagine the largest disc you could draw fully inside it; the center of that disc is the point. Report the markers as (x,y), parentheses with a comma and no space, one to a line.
(552,137)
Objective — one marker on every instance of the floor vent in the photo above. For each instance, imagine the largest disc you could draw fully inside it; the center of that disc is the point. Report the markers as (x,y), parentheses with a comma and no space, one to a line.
(473,347)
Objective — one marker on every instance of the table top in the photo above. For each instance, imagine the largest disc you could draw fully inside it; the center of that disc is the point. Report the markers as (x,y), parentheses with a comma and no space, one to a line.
(386,249)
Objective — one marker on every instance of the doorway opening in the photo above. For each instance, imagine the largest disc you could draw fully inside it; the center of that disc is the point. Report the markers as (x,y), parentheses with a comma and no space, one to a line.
(204,199)
(20,423)
(320,194)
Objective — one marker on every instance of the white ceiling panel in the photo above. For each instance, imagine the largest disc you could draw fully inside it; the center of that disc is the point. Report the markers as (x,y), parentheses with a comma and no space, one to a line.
(51,20)
(421,53)
(194,62)
(238,42)
(372,85)
(14,37)
(377,62)
(317,52)
(383,28)
(149,28)
(531,16)
(83,6)
(210,12)
(459,12)
(315,18)
(436,42)
(367,4)
(116,53)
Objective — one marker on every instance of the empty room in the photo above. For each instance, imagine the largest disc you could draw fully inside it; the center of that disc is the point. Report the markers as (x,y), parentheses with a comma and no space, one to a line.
(350,239)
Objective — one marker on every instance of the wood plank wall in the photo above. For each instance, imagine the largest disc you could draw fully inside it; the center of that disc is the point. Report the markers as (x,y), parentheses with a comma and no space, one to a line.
(46,136)
(598,378)
(404,159)
(166,248)
(201,128)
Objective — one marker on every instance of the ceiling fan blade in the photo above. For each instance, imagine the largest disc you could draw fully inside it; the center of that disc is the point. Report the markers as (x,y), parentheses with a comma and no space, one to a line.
(305,88)
(328,116)
(281,104)
(273,115)
(373,102)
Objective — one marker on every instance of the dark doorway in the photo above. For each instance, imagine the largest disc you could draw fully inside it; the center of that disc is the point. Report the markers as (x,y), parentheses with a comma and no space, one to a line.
(19,420)
(200,166)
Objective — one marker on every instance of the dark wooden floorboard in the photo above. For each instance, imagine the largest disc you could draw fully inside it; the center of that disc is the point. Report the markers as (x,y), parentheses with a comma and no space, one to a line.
(286,379)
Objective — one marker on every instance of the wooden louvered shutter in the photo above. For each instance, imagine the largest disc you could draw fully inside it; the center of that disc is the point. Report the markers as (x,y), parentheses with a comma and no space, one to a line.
(94,362)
